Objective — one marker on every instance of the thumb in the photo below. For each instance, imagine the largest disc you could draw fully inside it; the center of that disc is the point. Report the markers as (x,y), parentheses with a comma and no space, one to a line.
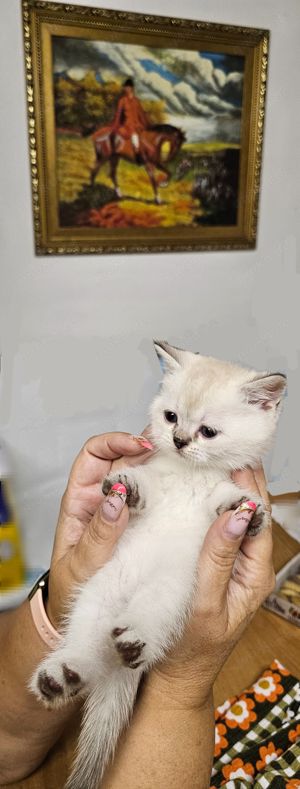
(220,549)
(98,541)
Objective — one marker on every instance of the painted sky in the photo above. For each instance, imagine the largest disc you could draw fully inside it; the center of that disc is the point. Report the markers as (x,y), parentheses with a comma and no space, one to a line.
(202,91)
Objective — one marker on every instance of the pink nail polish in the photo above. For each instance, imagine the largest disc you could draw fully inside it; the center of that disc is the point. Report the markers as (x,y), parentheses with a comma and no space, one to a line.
(119,488)
(144,442)
(247,505)
(147,444)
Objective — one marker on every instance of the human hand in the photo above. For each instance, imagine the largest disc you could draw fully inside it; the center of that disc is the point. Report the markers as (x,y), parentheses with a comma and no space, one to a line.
(86,533)
(235,575)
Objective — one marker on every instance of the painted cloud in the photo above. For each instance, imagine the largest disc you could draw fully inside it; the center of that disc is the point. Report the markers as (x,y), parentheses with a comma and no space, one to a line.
(202,91)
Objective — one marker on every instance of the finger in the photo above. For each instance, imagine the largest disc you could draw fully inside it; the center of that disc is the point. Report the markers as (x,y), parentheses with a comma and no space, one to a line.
(145,442)
(260,547)
(103,449)
(110,446)
(133,460)
(219,552)
(262,485)
(245,478)
(99,539)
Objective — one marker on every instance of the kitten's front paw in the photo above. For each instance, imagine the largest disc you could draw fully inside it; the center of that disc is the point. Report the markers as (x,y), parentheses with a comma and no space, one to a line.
(260,518)
(133,498)
(129,646)
(55,683)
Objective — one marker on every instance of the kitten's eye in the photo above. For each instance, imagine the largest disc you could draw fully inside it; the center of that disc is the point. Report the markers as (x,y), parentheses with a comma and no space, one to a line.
(170,416)
(208,432)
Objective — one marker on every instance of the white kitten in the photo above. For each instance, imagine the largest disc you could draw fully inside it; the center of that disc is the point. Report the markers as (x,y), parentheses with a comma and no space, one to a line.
(209,418)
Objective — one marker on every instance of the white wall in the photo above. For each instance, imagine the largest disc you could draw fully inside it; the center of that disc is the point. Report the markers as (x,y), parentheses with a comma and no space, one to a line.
(76,332)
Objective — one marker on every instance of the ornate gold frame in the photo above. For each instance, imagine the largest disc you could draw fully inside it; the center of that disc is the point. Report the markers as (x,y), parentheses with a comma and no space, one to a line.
(42,18)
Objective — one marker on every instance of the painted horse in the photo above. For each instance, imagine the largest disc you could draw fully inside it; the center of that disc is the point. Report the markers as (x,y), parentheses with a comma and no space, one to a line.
(157,146)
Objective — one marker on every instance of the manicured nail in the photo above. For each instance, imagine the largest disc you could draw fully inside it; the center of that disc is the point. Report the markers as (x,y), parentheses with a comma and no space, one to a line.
(113,504)
(247,505)
(240,519)
(144,442)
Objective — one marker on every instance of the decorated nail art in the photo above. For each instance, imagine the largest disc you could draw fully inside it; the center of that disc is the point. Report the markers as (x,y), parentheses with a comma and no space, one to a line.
(118,490)
(113,504)
(144,442)
(248,506)
(240,519)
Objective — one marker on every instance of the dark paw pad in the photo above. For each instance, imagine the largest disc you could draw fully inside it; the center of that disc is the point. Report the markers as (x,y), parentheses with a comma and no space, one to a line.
(132,495)
(117,631)
(106,486)
(129,651)
(71,677)
(258,521)
(48,686)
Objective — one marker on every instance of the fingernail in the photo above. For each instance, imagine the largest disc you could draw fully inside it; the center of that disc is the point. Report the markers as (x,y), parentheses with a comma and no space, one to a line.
(112,506)
(240,519)
(143,442)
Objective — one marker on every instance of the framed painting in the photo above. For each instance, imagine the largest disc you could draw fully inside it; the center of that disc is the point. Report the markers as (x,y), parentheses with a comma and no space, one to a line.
(145,132)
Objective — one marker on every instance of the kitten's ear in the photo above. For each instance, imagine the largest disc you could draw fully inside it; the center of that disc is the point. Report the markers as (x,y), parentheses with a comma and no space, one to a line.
(266,391)
(171,358)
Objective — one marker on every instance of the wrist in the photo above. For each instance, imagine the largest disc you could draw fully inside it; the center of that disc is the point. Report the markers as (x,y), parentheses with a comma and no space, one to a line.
(187,691)
(37,598)
(54,604)
(52,615)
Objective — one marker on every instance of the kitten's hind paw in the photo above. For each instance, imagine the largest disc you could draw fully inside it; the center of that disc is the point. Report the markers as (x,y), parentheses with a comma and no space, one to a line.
(133,498)
(129,646)
(55,683)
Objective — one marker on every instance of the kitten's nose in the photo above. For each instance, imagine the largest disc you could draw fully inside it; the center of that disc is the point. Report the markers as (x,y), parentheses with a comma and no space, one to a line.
(179,442)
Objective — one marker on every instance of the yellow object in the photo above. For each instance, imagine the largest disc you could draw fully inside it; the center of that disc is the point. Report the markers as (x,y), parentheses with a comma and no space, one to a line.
(11,559)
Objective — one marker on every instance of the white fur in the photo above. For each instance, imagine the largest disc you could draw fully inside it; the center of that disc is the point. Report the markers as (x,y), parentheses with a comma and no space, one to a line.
(148,585)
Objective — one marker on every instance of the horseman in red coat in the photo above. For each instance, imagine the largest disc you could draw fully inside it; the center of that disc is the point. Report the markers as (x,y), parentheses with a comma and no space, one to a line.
(129,121)
(130,118)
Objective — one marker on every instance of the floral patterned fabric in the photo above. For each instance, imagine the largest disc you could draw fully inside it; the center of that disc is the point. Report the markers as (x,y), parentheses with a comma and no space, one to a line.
(257,735)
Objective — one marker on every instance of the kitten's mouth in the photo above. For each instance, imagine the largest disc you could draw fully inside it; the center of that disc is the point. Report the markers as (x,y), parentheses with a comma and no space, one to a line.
(193,454)
(184,452)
